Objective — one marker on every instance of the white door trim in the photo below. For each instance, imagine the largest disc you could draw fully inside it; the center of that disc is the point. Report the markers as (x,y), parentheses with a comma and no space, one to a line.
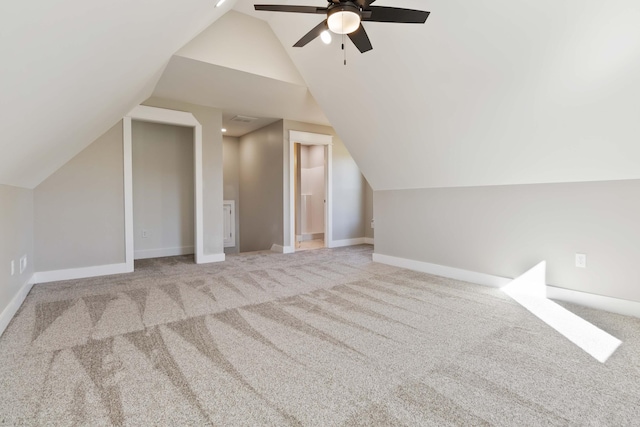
(308,138)
(171,117)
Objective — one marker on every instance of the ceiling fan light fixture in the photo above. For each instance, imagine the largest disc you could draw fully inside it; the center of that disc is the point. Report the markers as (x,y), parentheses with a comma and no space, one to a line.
(325,36)
(343,18)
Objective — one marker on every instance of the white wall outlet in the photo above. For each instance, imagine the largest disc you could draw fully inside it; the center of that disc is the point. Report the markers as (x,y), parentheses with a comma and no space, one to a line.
(581,260)
(13,267)
(23,264)
(373,223)
(145,234)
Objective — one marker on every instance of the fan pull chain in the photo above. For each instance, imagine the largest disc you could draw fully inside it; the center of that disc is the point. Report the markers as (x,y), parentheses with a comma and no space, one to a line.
(344,51)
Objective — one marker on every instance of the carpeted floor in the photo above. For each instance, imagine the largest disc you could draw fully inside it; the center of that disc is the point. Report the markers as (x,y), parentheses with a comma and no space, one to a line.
(319,338)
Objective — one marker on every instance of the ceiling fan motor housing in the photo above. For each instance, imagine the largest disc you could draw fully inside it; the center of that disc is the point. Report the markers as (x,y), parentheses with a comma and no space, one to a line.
(343,17)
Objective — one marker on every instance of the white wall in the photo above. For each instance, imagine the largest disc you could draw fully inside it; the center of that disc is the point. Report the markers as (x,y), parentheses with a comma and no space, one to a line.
(163,190)
(16,241)
(505,230)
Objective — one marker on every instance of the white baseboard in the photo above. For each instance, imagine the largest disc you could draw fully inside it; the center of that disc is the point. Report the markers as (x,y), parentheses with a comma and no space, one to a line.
(162,252)
(13,307)
(309,236)
(282,249)
(347,242)
(614,305)
(208,258)
(368,241)
(81,273)
(441,270)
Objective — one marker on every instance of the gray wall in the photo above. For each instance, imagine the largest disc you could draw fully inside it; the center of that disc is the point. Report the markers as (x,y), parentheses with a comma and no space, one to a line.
(261,178)
(211,121)
(505,230)
(163,189)
(79,209)
(231,180)
(348,184)
(16,240)
(368,210)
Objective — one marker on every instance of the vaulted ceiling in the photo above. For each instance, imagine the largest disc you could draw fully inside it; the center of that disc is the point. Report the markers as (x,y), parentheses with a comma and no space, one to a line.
(486,92)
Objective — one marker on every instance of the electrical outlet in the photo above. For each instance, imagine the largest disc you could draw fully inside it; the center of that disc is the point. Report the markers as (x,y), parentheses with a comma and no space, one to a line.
(23,264)
(13,267)
(373,223)
(145,234)
(581,260)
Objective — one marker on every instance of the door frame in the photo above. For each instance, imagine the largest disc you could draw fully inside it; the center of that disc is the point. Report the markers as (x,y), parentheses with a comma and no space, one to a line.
(308,138)
(171,117)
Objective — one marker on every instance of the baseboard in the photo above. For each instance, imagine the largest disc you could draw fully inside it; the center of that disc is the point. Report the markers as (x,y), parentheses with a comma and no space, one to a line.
(159,253)
(347,242)
(441,270)
(282,249)
(13,307)
(208,258)
(613,305)
(309,236)
(81,273)
(368,241)
(600,302)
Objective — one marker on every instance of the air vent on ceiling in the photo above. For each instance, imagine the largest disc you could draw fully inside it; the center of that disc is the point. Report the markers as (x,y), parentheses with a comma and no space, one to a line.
(243,119)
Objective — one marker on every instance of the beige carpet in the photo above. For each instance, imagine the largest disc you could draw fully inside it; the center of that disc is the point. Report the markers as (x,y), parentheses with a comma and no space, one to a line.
(319,338)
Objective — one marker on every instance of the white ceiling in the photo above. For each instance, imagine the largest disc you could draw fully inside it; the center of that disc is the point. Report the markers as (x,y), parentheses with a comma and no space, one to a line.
(240,66)
(486,92)
(71,68)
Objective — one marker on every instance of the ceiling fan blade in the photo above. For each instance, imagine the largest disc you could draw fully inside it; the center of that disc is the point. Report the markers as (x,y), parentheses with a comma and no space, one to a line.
(364,3)
(315,32)
(360,38)
(286,8)
(395,14)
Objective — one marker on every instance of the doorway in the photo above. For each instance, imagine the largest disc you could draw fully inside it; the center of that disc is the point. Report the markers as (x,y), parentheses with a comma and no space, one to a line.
(310,196)
(180,118)
(324,142)
(163,190)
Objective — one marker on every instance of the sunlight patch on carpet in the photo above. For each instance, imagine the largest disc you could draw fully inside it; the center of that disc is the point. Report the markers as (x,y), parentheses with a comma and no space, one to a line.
(529,290)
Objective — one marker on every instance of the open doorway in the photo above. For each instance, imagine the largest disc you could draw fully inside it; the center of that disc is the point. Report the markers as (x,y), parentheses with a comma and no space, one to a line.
(180,118)
(292,219)
(163,190)
(310,196)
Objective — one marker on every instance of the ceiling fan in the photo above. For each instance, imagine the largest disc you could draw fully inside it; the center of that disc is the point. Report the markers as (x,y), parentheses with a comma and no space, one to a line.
(346,16)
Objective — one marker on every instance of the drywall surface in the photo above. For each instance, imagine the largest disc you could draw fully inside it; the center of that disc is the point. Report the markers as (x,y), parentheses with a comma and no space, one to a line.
(505,230)
(348,184)
(235,32)
(261,188)
(16,240)
(231,180)
(163,189)
(79,209)
(211,121)
(368,210)
(498,93)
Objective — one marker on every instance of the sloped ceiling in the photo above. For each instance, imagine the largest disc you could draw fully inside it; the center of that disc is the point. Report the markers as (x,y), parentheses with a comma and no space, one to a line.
(487,92)
(71,68)
(238,64)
